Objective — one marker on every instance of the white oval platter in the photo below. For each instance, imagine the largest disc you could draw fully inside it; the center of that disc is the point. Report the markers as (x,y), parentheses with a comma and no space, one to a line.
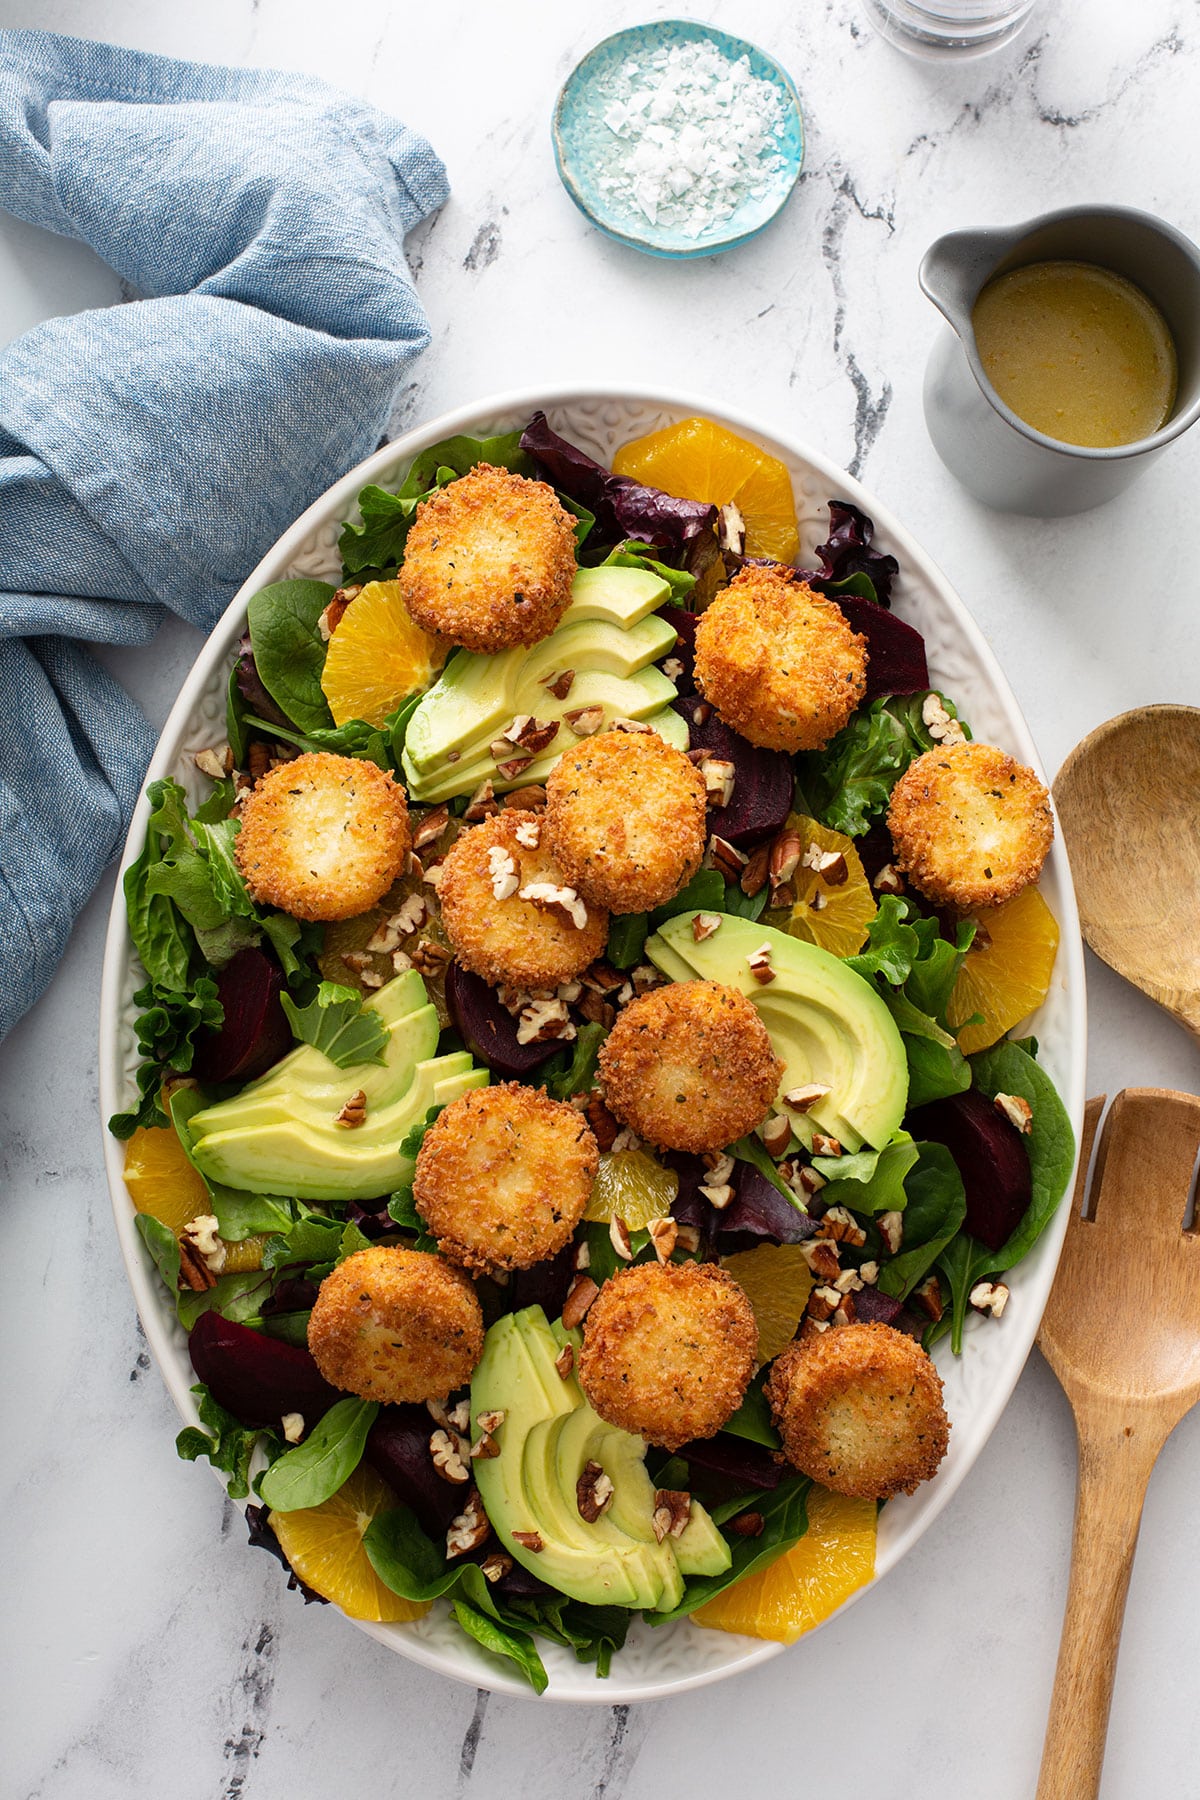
(674,1658)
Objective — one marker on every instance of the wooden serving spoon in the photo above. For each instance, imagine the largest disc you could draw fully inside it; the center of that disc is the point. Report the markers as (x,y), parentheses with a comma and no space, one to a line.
(1122,1333)
(1128,797)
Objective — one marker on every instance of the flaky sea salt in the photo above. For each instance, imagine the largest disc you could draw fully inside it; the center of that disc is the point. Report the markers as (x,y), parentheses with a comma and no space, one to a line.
(694,134)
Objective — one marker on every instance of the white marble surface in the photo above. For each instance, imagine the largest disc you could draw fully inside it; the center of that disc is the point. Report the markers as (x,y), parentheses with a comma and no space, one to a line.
(148,1651)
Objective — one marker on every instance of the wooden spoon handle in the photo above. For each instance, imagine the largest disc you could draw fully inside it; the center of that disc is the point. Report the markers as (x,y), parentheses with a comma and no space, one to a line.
(1113,1471)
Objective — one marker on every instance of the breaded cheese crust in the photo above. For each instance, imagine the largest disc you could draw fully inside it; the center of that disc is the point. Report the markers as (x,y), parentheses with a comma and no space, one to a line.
(489,560)
(503,1176)
(971,827)
(396,1325)
(860,1410)
(625,819)
(520,943)
(690,1066)
(668,1351)
(323,837)
(778,661)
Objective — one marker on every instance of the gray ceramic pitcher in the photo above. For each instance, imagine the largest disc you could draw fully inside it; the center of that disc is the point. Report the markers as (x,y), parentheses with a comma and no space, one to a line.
(1003,461)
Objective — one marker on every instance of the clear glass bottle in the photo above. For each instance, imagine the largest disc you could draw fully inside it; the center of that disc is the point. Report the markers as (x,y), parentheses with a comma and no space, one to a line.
(946,28)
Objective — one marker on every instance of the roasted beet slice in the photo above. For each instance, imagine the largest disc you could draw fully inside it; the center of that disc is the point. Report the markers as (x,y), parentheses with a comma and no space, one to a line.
(876,850)
(759,1211)
(689,1206)
(398,1450)
(489,1033)
(255,1033)
(257,1378)
(873,1308)
(763,781)
(896,652)
(991,1158)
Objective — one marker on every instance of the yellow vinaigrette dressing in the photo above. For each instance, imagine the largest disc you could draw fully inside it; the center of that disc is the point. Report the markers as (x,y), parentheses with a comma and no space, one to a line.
(1077,352)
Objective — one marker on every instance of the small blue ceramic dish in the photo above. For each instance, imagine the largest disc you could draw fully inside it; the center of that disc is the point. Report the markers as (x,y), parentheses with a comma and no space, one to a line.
(590,154)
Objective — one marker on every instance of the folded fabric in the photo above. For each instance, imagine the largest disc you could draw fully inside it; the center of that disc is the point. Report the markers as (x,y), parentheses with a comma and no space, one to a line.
(151,452)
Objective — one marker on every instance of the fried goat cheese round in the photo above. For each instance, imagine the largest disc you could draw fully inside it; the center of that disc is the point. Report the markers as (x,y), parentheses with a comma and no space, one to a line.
(489,561)
(510,912)
(503,1176)
(396,1325)
(668,1351)
(778,661)
(323,837)
(970,826)
(625,819)
(690,1066)
(860,1410)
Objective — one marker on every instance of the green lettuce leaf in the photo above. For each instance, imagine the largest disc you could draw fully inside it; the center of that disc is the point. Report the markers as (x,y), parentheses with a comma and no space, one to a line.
(337,1024)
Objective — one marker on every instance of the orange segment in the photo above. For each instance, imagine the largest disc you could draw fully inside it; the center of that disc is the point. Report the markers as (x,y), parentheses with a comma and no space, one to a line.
(700,460)
(630,1185)
(777,1282)
(377,657)
(834,1558)
(161,1180)
(1006,974)
(324,1545)
(244,1257)
(832,915)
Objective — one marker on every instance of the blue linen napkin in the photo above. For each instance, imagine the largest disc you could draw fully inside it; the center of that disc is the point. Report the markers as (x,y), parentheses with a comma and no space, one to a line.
(151,452)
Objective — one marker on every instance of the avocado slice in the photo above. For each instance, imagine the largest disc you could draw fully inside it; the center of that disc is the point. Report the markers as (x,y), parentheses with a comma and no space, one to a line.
(640,698)
(609,638)
(464,710)
(630,1512)
(601,1568)
(278,1135)
(826,1023)
(699,1549)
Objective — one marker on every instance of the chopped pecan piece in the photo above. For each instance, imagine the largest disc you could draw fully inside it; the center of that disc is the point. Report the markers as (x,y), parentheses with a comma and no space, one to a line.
(593,1492)
(664,1235)
(840,1224)
(354,1113)
(1017,1110)
(989,1297)
(449,1453)
(528,799)
(705,925)
(803,1099)
(496,1566)
(559,682)
(469,1529)
(672,1510)
(927,1298)
(754,875)
(747,1524)
(431,827)
(564,1362)
(584,721)
(529,1540)
(482,803)
(725,858)
(582,1292)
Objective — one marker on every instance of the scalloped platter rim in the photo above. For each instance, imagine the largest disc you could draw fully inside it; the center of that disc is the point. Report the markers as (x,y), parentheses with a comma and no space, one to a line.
(666,1660)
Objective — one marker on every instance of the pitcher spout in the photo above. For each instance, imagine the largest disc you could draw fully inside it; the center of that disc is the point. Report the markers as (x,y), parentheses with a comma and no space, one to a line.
(955,268)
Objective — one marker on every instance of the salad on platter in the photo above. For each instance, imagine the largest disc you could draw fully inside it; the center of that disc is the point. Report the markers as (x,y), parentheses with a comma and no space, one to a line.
(576,1084)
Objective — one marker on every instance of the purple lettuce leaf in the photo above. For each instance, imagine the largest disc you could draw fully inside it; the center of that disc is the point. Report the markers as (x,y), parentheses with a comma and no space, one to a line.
(624,509)
(250,686)
(848,551)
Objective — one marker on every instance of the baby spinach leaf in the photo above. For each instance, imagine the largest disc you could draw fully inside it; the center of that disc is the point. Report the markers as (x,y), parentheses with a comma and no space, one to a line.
(742,906)
(935,1208)
(578,1077)
(408,1562)
(869,1181)
(289,652)
(329,1455)
(337,1024)
(752,1421)
(163,1246)
(627,936)
(705,892)
(503,1640)
(785,1520)
(227,1444)
(241,1215)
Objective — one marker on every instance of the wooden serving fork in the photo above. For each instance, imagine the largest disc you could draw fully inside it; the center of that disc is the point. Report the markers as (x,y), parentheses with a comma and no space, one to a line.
(1122,1333)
